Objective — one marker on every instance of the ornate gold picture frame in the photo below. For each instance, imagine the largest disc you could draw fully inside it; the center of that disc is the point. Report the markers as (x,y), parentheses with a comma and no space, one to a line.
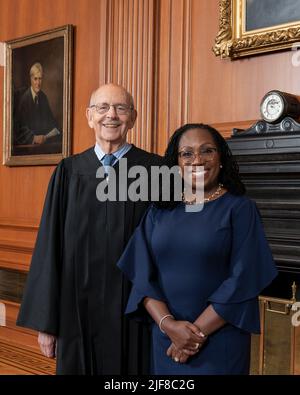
(249,27)
(37,98)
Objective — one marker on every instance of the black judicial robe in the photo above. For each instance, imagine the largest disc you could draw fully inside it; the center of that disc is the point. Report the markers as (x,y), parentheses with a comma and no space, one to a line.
(74,288)
(33,119)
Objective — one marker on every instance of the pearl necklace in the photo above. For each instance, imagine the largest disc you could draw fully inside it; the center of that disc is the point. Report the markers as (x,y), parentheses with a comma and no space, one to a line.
(207,199)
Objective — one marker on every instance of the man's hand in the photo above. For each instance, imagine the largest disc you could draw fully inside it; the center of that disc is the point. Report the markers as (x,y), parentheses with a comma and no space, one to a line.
(39,139)
(47,344)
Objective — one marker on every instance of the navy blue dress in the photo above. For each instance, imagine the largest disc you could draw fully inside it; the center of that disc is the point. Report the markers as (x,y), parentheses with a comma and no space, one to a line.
(216,256)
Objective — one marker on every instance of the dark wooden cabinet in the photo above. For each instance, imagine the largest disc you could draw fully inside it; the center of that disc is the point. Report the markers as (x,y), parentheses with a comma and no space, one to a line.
(270,167)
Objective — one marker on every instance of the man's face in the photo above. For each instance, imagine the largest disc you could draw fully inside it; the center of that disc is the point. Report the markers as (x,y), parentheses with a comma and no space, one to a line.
(36,82)
(111,127)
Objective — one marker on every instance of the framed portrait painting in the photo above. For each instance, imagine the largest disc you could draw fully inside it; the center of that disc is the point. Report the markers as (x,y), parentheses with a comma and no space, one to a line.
(37,98)
(250,27)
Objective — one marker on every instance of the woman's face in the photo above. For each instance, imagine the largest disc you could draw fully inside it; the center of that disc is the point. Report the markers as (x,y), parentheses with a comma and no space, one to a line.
(198,148)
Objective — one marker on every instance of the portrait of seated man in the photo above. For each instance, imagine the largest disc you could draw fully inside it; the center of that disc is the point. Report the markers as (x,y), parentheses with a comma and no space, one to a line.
(35,123)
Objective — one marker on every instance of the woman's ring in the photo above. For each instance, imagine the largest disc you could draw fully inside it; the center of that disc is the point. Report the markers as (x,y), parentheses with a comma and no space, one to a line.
(197,346)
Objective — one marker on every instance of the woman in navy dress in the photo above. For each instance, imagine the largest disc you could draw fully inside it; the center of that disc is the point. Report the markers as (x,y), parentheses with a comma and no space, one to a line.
(198,274)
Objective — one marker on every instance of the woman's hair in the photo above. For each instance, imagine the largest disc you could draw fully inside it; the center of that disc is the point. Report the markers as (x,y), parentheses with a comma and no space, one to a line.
(229,173)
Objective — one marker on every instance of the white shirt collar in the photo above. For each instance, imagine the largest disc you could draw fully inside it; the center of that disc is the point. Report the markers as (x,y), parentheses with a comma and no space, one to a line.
(118,154)
(33,94)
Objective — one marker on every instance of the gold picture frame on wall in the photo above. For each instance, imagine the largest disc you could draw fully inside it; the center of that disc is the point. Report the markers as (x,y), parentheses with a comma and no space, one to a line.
(250,27)
(37,98)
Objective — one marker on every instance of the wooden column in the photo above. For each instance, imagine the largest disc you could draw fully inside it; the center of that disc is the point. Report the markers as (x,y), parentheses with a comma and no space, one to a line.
(128,57)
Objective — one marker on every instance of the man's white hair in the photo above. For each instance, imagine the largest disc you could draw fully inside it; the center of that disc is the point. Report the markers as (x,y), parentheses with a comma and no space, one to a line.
(36,68)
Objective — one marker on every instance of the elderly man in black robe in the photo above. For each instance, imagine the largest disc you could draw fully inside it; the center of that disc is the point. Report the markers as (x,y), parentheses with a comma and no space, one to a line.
(75,295)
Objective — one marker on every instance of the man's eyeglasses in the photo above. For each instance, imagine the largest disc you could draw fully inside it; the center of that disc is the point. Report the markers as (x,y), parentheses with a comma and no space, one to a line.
(103,108)
(206,154)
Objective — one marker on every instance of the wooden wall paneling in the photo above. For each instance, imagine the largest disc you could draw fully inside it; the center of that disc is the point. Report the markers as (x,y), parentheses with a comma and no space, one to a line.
(144,77)
(180,40)
(14,333)
(230,91)
(196,86)
(161,51)
(174,68)
(212,88)
(130,52)
(163,84)
(186,57)
(19,335)
(14,257)
(86,17)
(23,189)
(103,42)
(181,81)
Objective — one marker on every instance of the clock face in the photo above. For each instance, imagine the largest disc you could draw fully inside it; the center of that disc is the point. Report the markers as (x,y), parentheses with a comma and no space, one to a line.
(272,107)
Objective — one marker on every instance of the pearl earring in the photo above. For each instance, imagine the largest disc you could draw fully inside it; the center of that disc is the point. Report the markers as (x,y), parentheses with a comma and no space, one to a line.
(221,166)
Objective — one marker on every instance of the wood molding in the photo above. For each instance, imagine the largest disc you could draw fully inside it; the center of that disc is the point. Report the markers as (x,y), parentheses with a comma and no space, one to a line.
(17,240)
(15,255)
(22,247)
(18,225)
(16,359)
(225,128)
(13,333)
(13,265)
(19,350)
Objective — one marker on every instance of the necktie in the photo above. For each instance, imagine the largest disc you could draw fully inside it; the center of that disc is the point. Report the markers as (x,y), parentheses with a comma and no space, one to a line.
(36,100)
(108,160)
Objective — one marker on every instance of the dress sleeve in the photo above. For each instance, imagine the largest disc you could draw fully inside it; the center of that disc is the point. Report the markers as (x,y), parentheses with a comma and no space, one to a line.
(252,269)
(40,304)
(137,263)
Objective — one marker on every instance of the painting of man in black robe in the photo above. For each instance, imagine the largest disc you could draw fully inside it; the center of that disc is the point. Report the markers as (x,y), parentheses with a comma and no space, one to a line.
(38,99)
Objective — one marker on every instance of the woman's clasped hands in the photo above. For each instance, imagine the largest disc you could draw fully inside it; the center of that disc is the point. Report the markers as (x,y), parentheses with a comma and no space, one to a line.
(187,339)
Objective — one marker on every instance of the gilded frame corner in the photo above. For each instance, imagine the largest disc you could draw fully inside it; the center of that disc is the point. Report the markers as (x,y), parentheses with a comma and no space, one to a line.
(233,41)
